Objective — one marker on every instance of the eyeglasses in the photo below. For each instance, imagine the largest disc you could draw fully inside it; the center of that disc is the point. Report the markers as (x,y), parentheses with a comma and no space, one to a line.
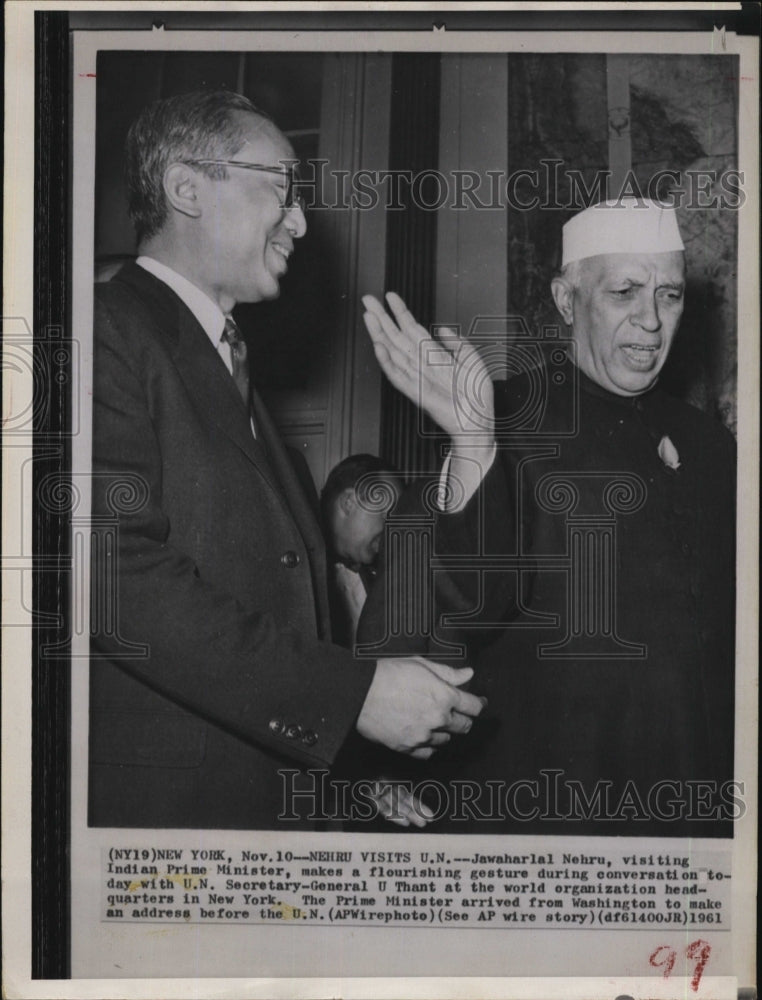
(291,199)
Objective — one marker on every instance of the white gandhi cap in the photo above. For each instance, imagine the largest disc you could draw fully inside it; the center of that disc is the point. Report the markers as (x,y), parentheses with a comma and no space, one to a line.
(631,225)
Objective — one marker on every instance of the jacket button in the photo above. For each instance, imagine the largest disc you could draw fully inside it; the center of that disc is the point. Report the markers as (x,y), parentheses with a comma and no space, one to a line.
(290,559)
(294,732)
(276,726)
(310,738)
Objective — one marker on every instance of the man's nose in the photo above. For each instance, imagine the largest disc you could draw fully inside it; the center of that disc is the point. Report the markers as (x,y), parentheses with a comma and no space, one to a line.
(646,313)
(295,221)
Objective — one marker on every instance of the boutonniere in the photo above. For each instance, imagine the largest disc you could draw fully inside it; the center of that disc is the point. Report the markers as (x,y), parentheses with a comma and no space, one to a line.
(668,454)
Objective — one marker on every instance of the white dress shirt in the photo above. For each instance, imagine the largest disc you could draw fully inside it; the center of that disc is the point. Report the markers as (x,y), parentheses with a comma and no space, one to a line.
(207,312)
(352,594)
(209,315)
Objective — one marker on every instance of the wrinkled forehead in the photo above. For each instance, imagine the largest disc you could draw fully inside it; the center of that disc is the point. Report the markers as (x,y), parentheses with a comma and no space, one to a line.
(261,140)
(637,268)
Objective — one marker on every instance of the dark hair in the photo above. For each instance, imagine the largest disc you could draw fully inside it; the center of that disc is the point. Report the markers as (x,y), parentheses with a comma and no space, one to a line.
(199,125)
(346,475)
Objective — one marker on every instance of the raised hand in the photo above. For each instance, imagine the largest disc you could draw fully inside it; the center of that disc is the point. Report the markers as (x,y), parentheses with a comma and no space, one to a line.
(414,705)
(446,377)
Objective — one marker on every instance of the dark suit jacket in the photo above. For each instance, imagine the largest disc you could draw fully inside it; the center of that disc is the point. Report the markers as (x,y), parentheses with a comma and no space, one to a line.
(220,572)
(605,709)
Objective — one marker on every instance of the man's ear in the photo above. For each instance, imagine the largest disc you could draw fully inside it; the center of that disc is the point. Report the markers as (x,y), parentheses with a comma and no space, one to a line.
(563,296)
(181,189)
(347,501)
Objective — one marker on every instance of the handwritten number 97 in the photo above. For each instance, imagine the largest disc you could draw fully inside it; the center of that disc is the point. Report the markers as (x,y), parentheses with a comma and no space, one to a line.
(697,951)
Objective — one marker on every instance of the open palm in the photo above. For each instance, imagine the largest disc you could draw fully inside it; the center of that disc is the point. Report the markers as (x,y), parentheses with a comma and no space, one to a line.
(446,378)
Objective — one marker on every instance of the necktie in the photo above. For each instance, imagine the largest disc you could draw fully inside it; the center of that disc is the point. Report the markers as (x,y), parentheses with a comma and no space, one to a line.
(232,335)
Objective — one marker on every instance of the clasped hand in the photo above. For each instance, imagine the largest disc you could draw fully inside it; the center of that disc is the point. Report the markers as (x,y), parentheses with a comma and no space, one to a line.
(414,705)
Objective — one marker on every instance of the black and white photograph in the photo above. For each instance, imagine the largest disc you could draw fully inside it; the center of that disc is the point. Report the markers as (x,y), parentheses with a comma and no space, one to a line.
(395,481)
(602,646)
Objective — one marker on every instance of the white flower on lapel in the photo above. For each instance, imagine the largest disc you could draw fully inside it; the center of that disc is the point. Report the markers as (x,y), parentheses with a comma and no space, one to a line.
(668,453)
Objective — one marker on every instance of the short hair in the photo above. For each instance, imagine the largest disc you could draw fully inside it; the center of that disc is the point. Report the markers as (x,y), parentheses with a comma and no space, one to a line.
(346,475)
(199,125)
(571,273)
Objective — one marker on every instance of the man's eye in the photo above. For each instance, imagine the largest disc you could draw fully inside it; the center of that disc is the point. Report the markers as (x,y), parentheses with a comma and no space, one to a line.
(621,293)
(672,295)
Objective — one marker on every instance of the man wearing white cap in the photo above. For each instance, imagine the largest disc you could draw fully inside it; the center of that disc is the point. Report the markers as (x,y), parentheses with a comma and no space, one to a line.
(610,682)
(621,291)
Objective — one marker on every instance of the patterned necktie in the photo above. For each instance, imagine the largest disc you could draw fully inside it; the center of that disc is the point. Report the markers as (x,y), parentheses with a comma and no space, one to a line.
(232,335)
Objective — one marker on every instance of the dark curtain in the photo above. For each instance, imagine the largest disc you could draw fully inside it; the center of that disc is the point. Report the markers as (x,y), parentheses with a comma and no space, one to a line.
(411,243)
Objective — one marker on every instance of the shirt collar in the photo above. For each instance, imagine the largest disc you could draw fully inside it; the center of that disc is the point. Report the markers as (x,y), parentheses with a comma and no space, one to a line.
(594,389)
(207,312)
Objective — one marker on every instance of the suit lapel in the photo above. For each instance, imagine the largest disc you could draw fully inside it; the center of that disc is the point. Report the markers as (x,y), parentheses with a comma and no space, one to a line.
(214,392)
(210,385)
(201,368)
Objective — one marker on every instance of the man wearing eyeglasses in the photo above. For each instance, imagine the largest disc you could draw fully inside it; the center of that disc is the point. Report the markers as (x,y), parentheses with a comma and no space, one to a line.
(220,564)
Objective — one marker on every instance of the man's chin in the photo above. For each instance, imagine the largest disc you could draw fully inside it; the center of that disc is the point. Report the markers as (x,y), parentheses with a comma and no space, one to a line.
(253,295)
(629,383)
(274,292)
(268,284)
